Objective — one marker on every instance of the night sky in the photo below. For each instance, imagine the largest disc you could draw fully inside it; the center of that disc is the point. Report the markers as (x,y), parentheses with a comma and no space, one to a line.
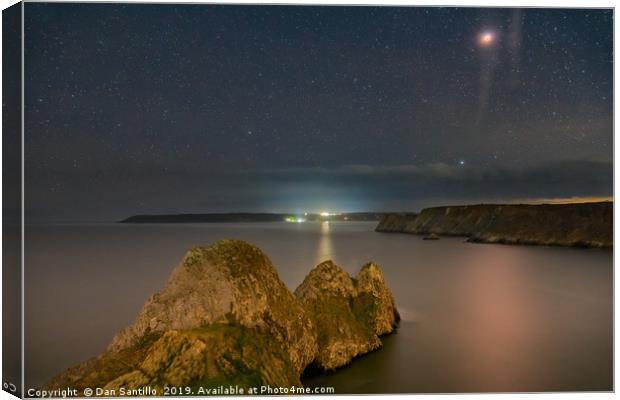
(134,109)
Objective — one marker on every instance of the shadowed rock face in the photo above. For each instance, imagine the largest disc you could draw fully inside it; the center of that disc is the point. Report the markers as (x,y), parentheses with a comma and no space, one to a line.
(579,225)
(225,318)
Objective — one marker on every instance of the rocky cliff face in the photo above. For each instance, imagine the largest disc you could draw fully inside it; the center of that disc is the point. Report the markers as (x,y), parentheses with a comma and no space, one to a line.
(229,282)
(395,222)
(225,318)
(349,314)
(585,224)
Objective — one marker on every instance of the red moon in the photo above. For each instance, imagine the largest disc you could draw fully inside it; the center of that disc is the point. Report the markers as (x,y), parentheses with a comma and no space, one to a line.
(486,39)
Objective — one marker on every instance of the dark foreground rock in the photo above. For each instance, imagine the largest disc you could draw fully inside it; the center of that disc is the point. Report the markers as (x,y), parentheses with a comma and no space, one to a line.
(578,225)
(225,318)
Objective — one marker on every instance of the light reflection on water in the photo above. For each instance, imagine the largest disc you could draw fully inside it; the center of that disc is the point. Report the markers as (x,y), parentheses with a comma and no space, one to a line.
(325,249)
(475,317)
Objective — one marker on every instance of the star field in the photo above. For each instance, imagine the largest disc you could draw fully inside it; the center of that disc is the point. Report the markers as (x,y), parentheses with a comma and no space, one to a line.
(134,108)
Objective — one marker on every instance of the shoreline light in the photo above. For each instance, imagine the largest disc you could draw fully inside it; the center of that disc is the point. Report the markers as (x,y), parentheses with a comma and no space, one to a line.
(294,219)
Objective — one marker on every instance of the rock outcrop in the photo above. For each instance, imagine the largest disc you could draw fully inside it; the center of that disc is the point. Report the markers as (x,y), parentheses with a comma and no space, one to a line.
(431,236)
(225,318)
(349,314)
(229,282)
(578,225)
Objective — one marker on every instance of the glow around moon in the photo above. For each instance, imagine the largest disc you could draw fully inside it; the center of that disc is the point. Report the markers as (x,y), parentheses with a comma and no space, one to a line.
(486,38)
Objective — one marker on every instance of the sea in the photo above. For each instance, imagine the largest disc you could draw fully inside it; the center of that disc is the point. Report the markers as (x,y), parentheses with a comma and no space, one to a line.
(474,317)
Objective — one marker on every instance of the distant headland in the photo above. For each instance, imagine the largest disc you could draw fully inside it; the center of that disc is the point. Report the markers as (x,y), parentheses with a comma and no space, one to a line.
(251,217)
(565,224)
(574,225)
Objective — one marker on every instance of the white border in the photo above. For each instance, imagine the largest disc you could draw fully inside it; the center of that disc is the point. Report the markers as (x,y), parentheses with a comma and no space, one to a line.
(479,3)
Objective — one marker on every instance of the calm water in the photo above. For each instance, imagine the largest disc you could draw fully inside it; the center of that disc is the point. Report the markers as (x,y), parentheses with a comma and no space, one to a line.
(476,317)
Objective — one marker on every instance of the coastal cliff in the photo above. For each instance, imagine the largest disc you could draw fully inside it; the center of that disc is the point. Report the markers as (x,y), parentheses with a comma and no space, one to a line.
(225,318)
(576,225)
(395,222)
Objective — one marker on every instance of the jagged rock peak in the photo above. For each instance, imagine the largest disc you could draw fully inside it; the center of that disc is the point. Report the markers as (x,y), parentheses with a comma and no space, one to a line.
(230,282)
(349,314)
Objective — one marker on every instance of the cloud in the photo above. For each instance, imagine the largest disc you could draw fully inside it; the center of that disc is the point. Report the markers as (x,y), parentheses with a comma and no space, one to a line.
(404,187)
(421,185)
(590,173)
(345,188)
